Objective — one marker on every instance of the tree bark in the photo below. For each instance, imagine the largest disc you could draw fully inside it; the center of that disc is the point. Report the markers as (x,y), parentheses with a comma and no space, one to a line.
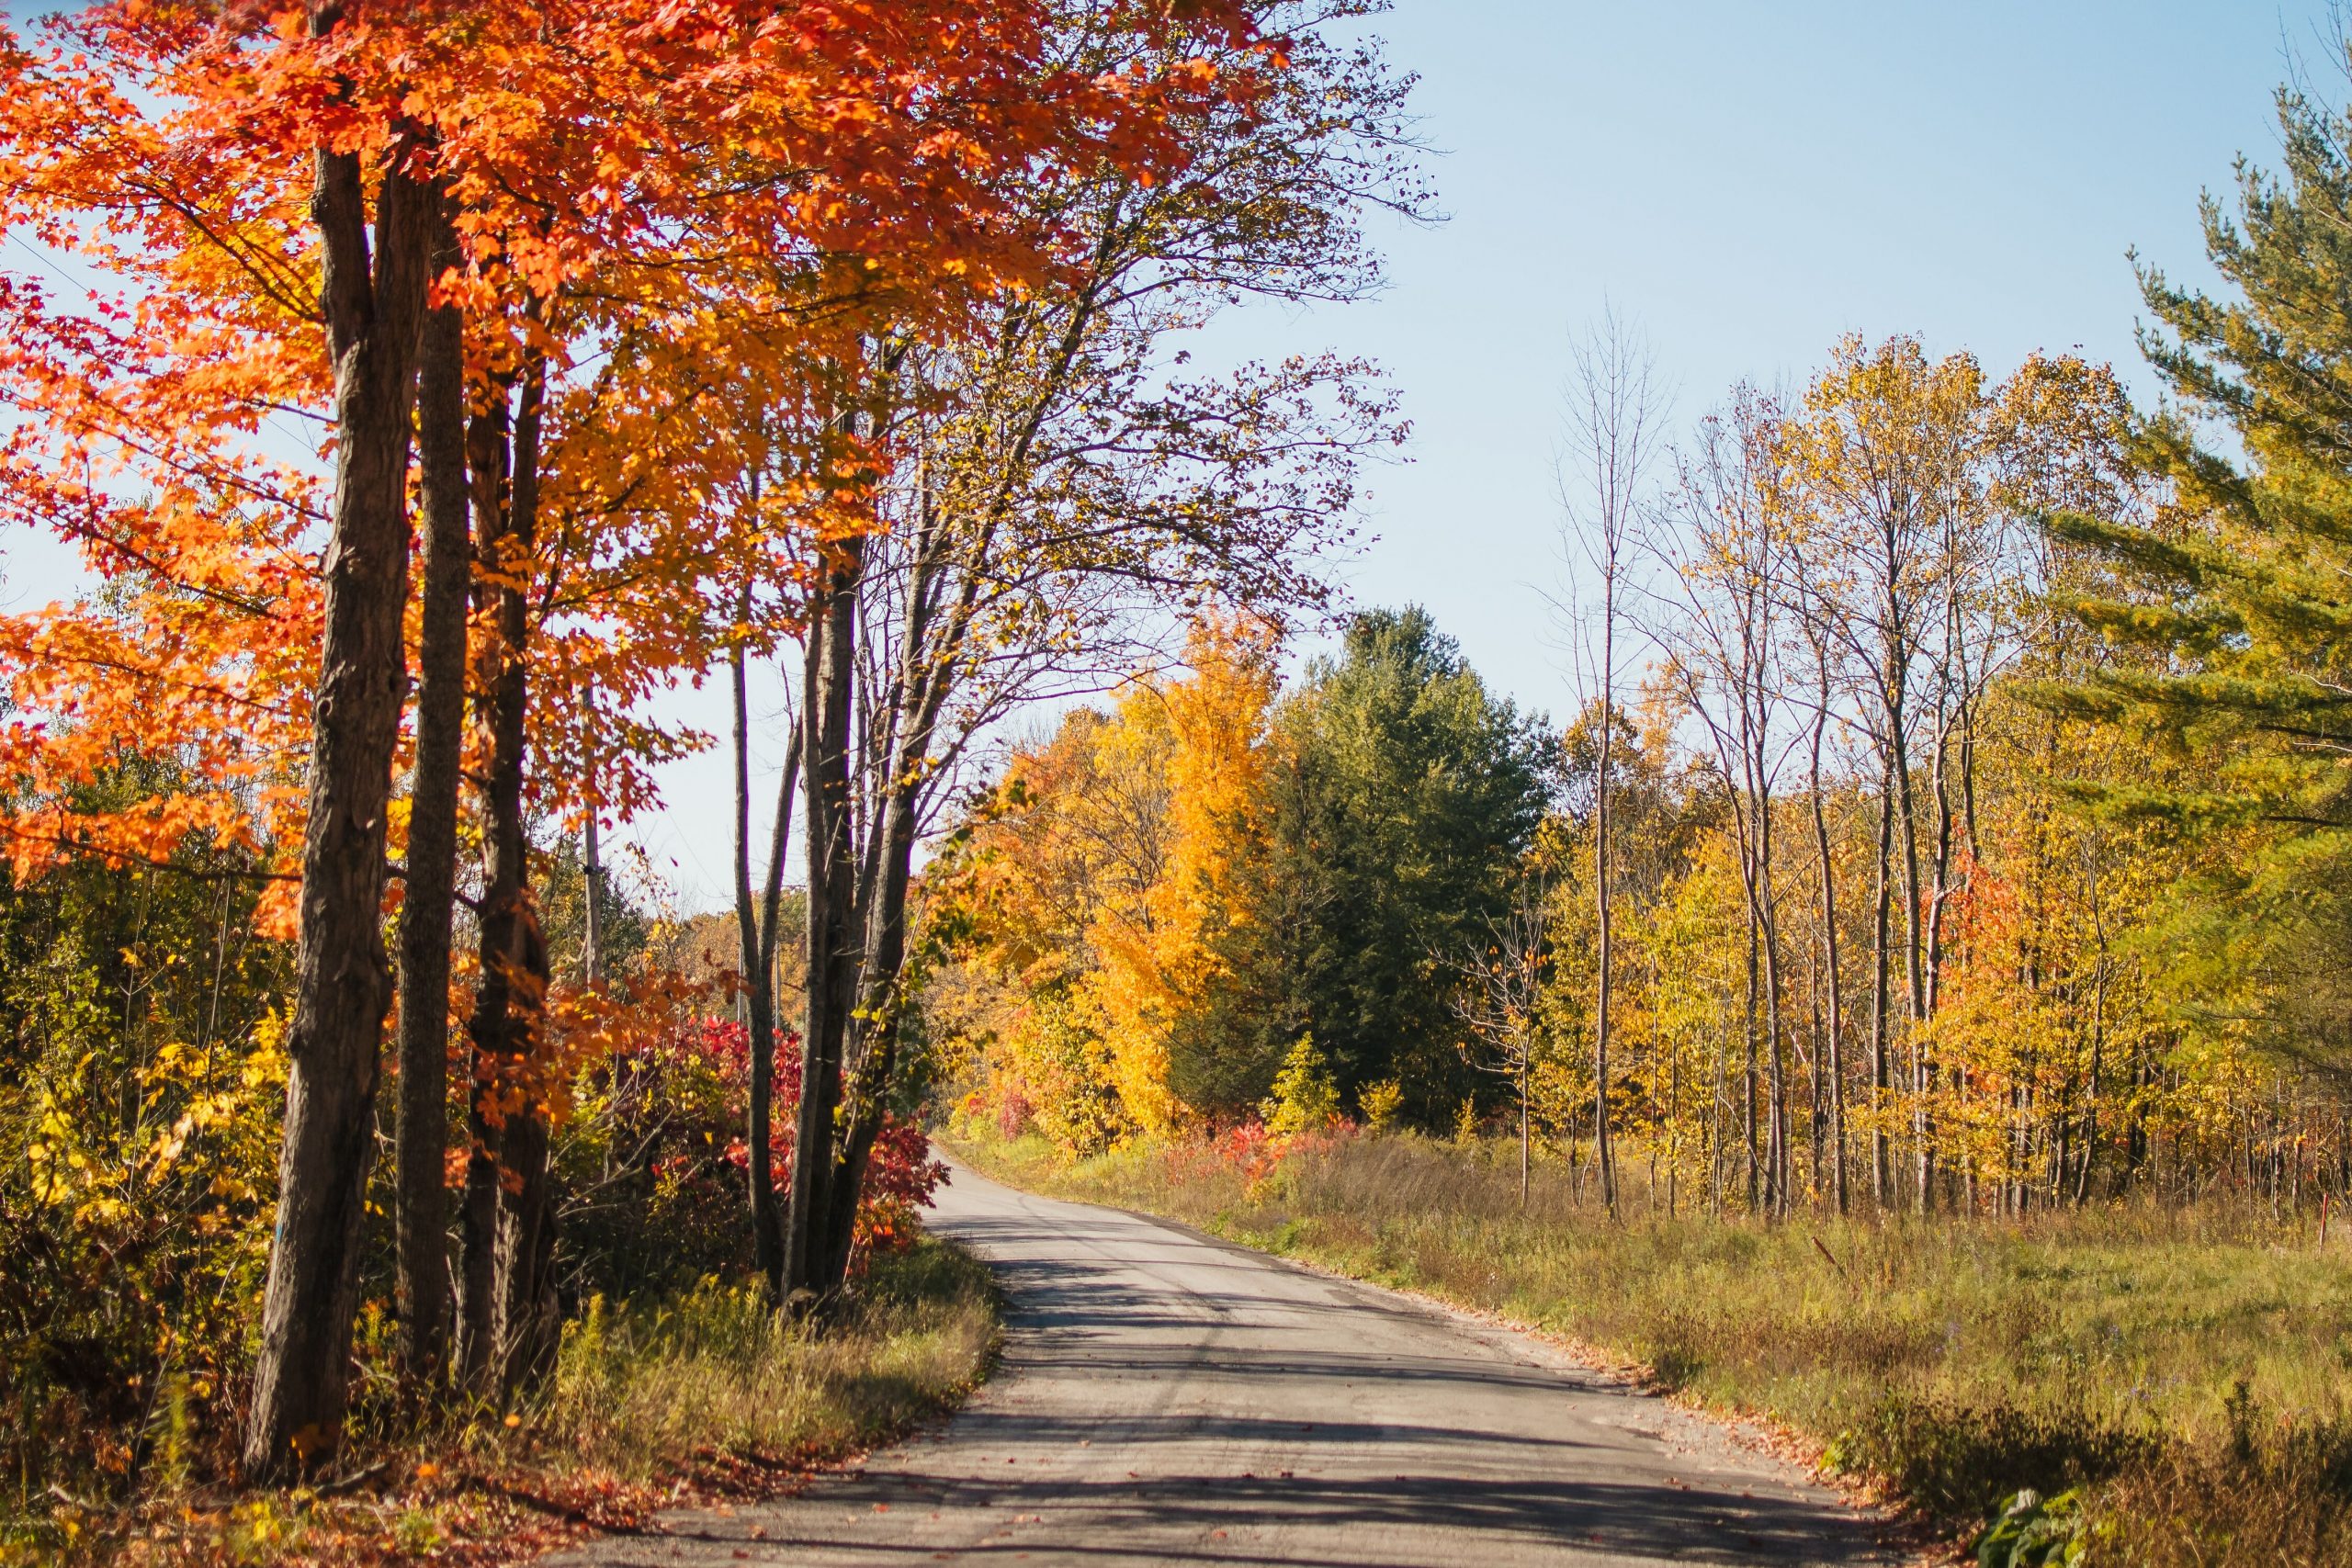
(1834,1049)
(342,975)
(1914,972)
(1604,1153)
(882,964)
(487,457)
(1882,1067)
(423,1133)
(523,1321)
(1768,935)
(833,956)
(1747,1125)
(510,1321)
(756,927)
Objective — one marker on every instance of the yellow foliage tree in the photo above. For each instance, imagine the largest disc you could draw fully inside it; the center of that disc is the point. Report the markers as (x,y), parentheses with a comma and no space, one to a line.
(1159,968)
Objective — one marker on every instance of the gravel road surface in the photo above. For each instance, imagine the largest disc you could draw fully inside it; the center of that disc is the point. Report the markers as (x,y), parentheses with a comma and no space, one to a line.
(1165,1398)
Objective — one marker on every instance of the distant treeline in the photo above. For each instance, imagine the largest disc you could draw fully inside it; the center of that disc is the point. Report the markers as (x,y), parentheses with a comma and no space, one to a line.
(1960,796)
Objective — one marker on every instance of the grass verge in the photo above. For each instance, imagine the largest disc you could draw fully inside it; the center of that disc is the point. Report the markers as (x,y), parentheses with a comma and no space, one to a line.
(706,1397)
(2186,1376)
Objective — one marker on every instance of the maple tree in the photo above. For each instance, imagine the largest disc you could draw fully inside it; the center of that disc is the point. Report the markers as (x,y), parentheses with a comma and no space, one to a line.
(559,194)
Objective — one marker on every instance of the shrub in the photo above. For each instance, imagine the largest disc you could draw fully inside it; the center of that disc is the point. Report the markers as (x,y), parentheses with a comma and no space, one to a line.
(1306,1098)
(655,1166)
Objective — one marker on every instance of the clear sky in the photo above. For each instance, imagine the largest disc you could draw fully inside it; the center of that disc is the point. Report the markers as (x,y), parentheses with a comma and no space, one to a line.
(1747,180)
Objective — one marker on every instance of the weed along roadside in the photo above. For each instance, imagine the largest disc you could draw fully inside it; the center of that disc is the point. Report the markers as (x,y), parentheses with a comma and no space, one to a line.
(2170,1386)
(706,1397)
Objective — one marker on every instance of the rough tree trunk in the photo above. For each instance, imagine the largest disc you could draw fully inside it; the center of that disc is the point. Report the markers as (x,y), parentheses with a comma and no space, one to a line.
(487,439)
(874,1062)
(423,1134)
(756,926)
(832,929)
(523,1320)
(509,1319)
(342,975)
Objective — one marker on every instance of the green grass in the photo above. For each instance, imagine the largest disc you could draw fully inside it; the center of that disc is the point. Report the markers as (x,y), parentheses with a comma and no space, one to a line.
(2192,1369)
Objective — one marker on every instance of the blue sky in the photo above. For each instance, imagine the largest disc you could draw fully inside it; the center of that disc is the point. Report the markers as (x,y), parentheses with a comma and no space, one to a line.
(1748,181)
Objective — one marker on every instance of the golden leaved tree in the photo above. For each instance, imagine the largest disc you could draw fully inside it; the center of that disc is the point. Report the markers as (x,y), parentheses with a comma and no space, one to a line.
(1162,966)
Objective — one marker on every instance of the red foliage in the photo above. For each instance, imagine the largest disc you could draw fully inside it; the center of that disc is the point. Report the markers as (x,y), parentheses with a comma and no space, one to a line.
(900,1176)
(1012,1113)
(1247,1147)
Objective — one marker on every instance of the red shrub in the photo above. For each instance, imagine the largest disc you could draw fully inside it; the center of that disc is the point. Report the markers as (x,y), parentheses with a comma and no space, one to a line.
(901,1176)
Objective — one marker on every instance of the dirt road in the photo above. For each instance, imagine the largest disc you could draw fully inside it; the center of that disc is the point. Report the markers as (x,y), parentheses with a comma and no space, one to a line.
(1165,1398)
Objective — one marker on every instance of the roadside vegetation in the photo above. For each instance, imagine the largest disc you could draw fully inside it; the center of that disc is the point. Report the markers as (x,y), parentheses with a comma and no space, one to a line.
(704,1396)
(2181,1372)
(1923,927)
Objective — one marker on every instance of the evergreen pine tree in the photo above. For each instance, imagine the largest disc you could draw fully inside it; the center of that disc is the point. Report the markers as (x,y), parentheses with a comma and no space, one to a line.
(2231,602)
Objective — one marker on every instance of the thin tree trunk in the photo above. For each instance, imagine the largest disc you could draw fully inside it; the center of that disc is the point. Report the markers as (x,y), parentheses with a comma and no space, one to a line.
(510,1319)
(1836,1050)
(1932,953)
(832,927)
(1673,1124)
(1603,1149)
(1523,1127)
(591,869)
(1914,972)
(421,1135)
(488,454)
(757,946)
(1767,927)
(342,984)
(1882,1068)
(525,1324)
(1748,1074)
(900,737)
